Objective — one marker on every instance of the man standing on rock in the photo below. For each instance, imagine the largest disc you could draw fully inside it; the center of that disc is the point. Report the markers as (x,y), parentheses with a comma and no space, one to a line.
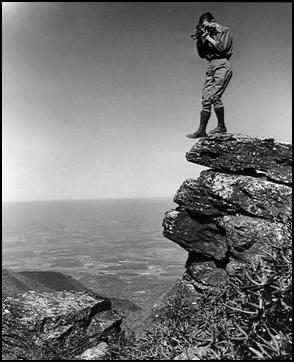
(214,43)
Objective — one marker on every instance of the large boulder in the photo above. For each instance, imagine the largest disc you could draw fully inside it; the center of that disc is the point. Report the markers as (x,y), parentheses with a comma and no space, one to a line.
(237,212)
(95,353)
(195,234)
(205,271)
(64,320)
(244,154)
(216,193)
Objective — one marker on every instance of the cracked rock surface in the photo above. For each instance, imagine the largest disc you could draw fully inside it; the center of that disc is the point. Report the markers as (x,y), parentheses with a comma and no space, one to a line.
(237,210)
(242,153)
(66,318)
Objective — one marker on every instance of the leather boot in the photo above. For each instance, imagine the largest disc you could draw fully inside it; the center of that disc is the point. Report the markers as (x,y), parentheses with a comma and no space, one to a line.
(221,128)
(201,132)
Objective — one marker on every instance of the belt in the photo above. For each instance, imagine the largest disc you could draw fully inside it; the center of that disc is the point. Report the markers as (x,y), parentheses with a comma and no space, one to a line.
(213,58)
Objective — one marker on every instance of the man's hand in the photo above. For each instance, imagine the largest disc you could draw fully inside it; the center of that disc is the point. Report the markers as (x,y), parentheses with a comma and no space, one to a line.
(210,39)
(205,34)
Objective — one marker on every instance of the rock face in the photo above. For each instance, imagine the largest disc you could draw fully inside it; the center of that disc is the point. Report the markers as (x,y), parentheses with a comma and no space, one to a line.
(95,353)
(43,308)
(18,282)
(242,153)
(67,320)
(236,211)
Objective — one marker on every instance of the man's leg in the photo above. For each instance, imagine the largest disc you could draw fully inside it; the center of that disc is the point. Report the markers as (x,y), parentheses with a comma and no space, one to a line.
(222,77)
(206,107)
(220,115)
(201,132)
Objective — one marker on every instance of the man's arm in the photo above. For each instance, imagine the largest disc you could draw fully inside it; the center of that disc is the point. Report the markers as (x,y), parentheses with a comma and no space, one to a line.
(200,47)
(224,43)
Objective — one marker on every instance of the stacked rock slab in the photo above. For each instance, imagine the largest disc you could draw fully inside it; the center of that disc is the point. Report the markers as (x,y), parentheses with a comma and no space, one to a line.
(236,211)
(69,320)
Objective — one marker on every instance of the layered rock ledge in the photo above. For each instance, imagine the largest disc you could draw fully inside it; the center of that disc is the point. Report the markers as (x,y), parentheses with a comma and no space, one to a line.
(69,320)
(244,154)
(236,211)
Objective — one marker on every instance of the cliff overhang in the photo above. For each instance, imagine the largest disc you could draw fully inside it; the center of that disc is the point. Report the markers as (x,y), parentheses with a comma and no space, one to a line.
(237,211)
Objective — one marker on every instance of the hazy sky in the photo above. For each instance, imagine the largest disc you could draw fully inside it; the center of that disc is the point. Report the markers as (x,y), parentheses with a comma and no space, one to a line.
(98,97)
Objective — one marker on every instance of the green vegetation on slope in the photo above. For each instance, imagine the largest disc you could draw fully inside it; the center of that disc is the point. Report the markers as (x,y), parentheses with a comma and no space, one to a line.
(250,319)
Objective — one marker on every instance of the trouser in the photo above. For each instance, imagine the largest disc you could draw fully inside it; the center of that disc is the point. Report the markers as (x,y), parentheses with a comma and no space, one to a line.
(218,76)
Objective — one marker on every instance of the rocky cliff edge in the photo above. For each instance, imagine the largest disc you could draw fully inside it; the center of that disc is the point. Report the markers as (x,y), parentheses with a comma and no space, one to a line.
(237,211)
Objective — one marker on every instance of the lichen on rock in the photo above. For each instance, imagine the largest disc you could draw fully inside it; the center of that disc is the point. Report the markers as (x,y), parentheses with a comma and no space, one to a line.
(65,320)
(244,154)
(237,211)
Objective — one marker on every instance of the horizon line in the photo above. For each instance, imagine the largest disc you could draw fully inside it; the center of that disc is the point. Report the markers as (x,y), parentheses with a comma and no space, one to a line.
(89,199)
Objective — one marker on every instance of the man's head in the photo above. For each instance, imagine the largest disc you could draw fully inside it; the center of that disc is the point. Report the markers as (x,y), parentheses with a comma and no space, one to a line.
(207,20)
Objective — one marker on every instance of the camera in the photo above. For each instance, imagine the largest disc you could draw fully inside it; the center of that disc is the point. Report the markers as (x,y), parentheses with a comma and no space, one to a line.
(199,31)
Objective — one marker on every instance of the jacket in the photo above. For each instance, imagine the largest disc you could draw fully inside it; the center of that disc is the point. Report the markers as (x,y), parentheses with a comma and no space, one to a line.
(223,48)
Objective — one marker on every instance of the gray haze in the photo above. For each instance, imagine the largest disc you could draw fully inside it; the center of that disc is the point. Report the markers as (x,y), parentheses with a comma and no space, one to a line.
(98,97)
